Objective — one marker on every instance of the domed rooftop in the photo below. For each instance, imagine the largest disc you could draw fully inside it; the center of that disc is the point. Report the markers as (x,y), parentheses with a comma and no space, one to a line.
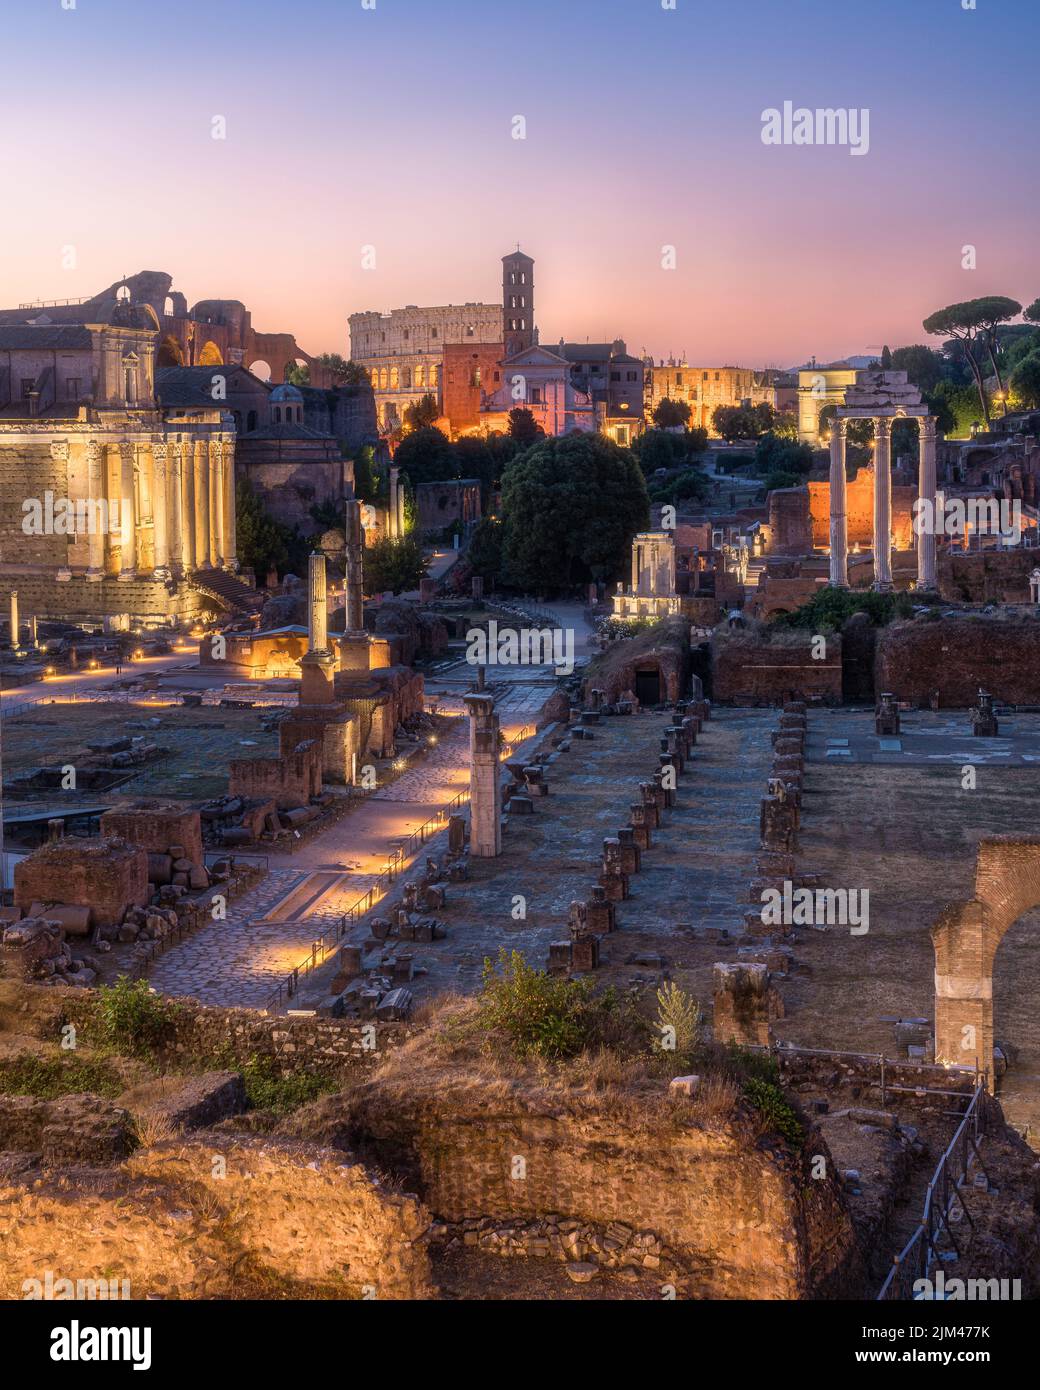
(286,392)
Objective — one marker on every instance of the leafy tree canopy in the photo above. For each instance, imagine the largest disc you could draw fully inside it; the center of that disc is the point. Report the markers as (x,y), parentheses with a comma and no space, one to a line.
(571,506)
(421,414)
(427,456)
(393,564)
(1025,382)
(264,544)
(669,414)
(523,427)
(737,422)
(661,449)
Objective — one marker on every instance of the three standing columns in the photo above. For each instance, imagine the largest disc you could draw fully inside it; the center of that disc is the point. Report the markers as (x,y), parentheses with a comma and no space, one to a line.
(926,572)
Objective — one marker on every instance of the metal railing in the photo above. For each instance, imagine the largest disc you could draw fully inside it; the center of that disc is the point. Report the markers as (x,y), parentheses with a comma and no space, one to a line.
(323,946)
(942,1198)
(397,862)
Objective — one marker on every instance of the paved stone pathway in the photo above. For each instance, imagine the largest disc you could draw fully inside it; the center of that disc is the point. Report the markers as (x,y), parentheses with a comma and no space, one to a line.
(239,961)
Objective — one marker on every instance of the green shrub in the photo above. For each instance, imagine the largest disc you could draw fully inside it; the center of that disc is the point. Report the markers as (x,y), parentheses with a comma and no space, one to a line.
(768,1099)
(47,1078)
(678,1022)
(539,1014)
(830,609)
(132,1019)
(267,1089)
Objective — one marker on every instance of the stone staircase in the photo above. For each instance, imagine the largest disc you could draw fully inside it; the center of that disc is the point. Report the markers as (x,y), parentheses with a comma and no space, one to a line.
(227,590)
(755,570)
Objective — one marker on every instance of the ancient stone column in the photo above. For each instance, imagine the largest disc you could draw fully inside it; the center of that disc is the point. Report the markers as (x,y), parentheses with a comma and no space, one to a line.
(213,475)
(14,621)
(230,541)
(883,503)
(201,471)
(188,506)
(926,490)
(175,496)
(160,519)
(485,793)
(635,567)
(393,509)
(317,612)
(839,522)
(318,667)
(98,511)
(127,514)
(355,576)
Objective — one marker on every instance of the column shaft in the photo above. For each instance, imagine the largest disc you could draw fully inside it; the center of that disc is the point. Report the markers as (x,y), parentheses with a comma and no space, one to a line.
(127,514)
(839,575)
(201,471)
(188,505)
(99,524)
(160,516)
(926,577)
(230,535)
(212,482)
(883,503)
(219,501)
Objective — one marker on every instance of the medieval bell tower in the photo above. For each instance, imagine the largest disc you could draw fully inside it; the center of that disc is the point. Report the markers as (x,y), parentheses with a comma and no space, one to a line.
(517,302)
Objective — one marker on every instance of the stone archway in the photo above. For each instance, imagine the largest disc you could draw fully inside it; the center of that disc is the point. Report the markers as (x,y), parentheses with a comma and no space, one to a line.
(965,938)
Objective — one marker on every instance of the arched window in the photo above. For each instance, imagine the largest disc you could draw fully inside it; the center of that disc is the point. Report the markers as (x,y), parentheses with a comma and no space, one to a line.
(251,420)
(384,378)
(406,378)
(420,376)
(278,414)
(395,379)
(433,375)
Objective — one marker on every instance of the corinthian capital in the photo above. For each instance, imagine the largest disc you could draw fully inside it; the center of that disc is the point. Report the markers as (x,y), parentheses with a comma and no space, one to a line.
(60,450)
(883,427)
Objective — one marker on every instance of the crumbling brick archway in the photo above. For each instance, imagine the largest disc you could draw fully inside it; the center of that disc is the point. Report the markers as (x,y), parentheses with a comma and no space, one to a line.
(965,938)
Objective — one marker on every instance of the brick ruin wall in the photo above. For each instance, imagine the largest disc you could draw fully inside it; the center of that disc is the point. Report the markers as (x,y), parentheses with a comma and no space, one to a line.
(859,511)
(175,1226)
(742,1221)
(749,670)
(957,655)
(290,780)
(234,1036)
(155,826)
(108,874)
(990,576)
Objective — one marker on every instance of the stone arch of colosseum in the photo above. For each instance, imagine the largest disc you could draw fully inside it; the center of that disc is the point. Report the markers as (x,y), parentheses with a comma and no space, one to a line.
(966,937)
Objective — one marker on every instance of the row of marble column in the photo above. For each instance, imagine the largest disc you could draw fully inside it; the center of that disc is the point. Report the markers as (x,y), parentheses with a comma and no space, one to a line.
(185,488)
(839,570)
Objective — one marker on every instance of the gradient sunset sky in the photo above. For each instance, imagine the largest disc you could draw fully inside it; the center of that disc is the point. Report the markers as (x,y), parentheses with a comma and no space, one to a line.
(392,128)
